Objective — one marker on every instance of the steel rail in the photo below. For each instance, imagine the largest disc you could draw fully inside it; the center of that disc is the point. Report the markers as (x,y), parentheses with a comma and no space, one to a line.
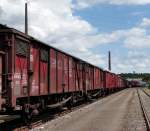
(145,114)
(146,93)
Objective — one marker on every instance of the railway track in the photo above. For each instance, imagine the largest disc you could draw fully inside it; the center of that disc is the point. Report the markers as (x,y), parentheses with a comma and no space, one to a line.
(146,92)
(41,119)
(143,107)
(45,117)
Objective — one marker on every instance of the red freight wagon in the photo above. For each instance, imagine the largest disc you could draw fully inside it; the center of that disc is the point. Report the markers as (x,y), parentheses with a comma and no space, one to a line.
(113,82)
(35,76)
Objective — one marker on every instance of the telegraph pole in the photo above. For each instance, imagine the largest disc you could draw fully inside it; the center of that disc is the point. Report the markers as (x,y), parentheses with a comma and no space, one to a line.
(26,18)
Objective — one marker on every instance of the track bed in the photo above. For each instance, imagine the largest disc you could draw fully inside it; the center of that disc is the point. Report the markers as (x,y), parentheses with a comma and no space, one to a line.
(118,112)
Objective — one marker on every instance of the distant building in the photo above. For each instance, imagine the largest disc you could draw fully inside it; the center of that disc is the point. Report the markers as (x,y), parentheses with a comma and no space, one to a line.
(137,82)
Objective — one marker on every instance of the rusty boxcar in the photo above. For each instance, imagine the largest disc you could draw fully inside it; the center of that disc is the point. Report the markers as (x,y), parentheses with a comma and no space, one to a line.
(34,75)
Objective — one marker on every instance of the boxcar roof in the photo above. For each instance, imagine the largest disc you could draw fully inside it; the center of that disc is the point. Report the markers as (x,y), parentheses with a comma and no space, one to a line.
(5,28)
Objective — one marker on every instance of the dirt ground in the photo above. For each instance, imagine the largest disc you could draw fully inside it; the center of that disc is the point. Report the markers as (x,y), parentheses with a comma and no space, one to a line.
(118,112)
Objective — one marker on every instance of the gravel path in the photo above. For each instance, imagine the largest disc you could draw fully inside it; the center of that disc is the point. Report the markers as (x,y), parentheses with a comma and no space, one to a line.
(117,112)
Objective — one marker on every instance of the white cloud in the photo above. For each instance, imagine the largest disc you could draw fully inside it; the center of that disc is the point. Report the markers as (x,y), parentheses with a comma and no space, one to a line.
(80,4)
(145,22)
(133,61)
(137,42)
(137,38)
(53,22)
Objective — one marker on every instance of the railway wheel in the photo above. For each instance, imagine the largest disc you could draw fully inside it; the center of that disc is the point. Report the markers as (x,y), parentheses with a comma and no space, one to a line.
(69,104)
(26,114)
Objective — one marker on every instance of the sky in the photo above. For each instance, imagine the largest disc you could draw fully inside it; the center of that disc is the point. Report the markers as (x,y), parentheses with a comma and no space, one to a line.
(88,29)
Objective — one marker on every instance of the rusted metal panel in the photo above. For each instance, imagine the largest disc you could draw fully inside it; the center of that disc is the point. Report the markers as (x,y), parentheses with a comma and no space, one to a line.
(102,79)
(43,71)
(71,75)
(119,82)
(78,76)
(13,57)
(52,71)
(91,78)
(74,88)
(75,70)
(60,73)
(122,84)
(97,78)
(87,72)
(34,64)
(66,85)
(20,76)
(106,79)
(110,80)
(43,78)
(115,81)
(81,77)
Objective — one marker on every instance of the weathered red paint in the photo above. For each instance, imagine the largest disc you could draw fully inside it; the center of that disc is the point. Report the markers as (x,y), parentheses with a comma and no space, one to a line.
(108,80)
(114,81)
(60,73)
(102,79)
(87,78)
(91,78)
(81,77)
(66,85)
(43,78)
(52,71)
(71,75)
(97,78)
(20,76)
(34,64)
(78,76)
